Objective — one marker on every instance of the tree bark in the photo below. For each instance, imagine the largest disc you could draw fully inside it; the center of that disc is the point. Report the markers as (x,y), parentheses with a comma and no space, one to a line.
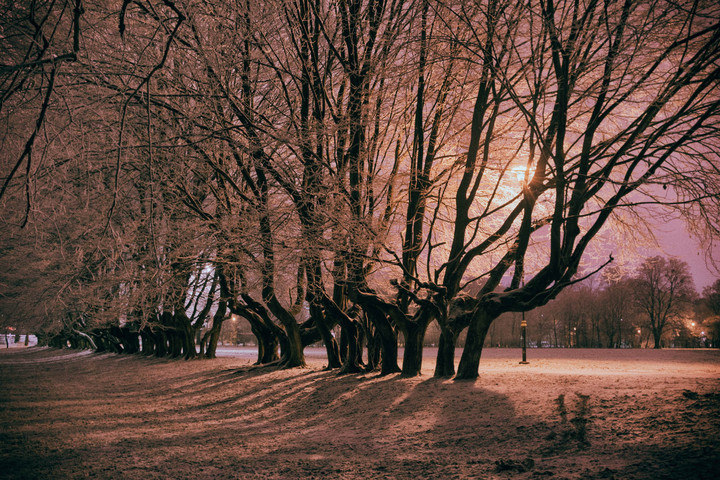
(414,333)
(185,333)
(351,363)
(657,337)
(350,336)
(374,349)
(218,318)
(445,363)
(388,340)
(267,342)
(470,360)
(148,342)
(161,345)
(331,345)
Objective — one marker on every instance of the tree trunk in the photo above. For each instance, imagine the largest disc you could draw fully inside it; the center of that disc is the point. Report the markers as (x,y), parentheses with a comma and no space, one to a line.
(350,352)
(445,364)
(352,359)
(175,346)
(129,340)
(657,337)
(291,346)
(185,332)
(344,346)
(215,329)
(374,349)
(161,347)
(134,340)
(176,342)
(331,345)
(389,343)
(110,343)
(470,360)
(267,340)
(267,334)
(148,342)
(211,348)
(271,347)
(414,334)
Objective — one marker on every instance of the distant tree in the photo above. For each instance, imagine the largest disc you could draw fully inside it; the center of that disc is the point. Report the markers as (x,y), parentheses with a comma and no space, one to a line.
(711,294)
(711,299)
(663,287)
(542,327)
(615,307)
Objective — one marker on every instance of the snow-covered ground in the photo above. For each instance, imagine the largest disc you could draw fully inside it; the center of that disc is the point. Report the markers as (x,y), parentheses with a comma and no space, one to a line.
(568,414)
(599,361)
(8,340)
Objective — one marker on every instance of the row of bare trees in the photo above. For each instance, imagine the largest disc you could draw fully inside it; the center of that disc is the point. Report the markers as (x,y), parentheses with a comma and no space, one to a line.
(372,166)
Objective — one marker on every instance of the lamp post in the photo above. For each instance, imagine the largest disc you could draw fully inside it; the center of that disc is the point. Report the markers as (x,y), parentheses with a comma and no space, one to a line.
(523,326)
(523,339)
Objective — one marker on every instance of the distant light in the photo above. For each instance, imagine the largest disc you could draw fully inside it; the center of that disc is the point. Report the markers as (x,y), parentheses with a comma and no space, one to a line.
(692,323)
(638,330)
(702,333)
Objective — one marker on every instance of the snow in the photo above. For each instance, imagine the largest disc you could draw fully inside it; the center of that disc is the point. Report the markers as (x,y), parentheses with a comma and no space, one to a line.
(570,413)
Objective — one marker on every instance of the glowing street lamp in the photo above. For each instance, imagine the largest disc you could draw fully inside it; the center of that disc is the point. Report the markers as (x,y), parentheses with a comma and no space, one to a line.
(574,337)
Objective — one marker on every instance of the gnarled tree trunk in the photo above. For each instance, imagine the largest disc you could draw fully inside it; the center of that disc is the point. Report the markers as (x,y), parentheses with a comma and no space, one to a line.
(470,360)
(445,363)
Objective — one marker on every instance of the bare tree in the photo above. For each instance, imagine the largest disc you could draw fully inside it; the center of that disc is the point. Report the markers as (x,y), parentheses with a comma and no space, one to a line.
(662,289)
(615,306)
(573,74)
(711,296)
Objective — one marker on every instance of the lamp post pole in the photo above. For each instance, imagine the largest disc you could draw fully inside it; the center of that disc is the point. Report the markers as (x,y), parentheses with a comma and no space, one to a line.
(523,339)
(523,328)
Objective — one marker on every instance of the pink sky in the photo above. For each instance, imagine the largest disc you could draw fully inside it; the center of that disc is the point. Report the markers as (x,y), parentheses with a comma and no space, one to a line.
(676,241)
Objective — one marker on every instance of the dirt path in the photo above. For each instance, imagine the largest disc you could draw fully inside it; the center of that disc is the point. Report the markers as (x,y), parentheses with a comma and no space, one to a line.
(593,414)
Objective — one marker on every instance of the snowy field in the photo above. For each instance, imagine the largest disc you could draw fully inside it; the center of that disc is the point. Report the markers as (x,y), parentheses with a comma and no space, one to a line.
(569,414)
(597,361)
